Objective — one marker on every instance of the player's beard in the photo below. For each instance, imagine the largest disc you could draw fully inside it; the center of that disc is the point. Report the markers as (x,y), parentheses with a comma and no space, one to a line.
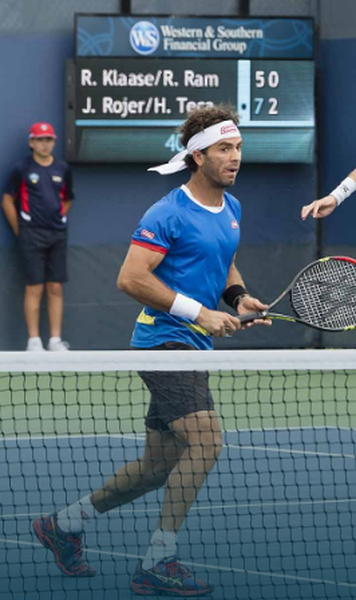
(217,177)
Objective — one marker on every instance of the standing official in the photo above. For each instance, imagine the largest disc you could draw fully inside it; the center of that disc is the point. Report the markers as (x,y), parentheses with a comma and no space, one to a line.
(36,201)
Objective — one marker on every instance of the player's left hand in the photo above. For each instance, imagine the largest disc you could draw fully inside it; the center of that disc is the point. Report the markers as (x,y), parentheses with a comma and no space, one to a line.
(319,208)
(248,305)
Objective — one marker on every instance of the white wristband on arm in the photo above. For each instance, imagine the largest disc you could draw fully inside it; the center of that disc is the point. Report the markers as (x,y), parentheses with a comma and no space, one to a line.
(344,190)
(185,307)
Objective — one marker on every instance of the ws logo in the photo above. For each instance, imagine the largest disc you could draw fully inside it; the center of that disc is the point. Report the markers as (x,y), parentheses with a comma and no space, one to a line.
(144,37)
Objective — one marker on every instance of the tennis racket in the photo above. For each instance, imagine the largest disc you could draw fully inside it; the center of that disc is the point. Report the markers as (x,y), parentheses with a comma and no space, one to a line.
(322,295)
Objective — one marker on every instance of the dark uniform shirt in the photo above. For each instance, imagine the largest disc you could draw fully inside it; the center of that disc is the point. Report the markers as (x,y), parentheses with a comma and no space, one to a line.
(41,192)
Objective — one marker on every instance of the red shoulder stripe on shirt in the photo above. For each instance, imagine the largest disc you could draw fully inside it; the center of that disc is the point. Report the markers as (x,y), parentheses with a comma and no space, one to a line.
(63,196)
(150,246)
(23,194)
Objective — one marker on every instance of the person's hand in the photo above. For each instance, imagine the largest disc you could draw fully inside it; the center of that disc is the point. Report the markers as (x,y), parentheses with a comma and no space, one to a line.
(218,323)
(319,208)
(248,304)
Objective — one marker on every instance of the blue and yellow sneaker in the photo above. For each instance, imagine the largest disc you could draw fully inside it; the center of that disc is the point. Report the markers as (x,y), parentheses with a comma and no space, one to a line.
(168,578)
(66,547)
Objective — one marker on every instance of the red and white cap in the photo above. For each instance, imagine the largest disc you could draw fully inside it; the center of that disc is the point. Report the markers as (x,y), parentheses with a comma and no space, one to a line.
(39,130)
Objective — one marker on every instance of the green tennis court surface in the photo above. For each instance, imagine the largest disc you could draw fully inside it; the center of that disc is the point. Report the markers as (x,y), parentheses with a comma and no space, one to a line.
(106,404)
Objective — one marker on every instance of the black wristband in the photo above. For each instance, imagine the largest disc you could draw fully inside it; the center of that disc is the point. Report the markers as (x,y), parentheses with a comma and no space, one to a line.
(233,295)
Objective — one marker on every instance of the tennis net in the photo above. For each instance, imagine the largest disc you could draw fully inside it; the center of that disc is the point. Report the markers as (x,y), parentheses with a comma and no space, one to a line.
(276,516)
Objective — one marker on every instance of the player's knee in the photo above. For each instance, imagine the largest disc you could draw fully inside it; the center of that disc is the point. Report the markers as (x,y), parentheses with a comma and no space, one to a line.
(34,291)
(54,289)
(212,445)
(209,436)
(205,450)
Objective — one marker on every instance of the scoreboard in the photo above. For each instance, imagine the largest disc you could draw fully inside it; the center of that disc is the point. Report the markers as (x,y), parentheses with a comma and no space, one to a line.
(128,109)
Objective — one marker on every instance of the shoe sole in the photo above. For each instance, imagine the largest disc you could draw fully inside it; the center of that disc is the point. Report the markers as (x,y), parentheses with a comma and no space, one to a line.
(150,591)
(46,543)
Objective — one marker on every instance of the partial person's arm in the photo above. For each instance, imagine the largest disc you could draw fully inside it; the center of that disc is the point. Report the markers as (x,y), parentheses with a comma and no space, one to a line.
(68,190)
(325,206)
(239,299)
(136,278)
(9,198)
(9,208)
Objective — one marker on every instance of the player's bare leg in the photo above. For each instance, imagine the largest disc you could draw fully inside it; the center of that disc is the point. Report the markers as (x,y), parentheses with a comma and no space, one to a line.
(201,434)
(32,304)
(54,293)
(62,533)
(160,572)
(161,455)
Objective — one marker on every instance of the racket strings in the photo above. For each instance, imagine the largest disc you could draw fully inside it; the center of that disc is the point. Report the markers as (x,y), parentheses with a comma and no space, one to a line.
(325,294)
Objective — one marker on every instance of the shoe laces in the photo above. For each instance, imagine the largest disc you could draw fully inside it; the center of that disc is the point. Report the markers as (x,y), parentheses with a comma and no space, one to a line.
(176,568)
(77,548)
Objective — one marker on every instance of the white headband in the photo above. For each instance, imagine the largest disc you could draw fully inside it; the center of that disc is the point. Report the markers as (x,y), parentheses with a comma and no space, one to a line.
(199,141)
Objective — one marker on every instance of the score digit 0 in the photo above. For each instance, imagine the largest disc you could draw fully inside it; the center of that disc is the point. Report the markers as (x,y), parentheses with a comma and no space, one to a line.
(272,79)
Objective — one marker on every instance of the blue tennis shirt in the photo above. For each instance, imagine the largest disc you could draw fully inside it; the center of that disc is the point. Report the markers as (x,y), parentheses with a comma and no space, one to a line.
(198,247)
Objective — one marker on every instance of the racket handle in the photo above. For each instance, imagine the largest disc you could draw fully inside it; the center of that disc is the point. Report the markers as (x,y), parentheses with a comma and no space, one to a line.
(248,317)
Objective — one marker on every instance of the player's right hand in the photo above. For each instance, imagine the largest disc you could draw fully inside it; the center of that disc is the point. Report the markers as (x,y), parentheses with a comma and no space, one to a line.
(218,323)
(319,208)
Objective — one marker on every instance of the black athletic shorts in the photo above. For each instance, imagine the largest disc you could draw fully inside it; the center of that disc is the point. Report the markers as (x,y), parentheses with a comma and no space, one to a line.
(175,394)
(44,254)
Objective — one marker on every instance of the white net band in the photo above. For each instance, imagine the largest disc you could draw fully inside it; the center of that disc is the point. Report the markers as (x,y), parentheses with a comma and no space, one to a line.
(182,360)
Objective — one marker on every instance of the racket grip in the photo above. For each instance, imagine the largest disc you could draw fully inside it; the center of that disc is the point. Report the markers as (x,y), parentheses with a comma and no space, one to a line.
(248,317)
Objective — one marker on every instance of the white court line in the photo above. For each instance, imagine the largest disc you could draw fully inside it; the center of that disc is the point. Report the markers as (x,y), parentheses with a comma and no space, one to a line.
(201,508)
(296,578)
(301,428)
(248,505)
(141,438)
(289,451)
(64,436)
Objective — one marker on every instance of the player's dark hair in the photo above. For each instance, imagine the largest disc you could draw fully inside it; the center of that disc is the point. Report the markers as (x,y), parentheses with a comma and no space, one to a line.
(201,118)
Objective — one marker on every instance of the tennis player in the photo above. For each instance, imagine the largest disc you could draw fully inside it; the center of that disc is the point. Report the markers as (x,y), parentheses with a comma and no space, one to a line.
(325,206)
(179,265)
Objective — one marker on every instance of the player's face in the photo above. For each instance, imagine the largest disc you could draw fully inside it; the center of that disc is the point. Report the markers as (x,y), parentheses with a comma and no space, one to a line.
(221,162)
(42,146)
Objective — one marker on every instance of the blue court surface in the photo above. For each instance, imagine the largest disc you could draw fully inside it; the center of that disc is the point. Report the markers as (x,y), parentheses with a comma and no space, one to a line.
(276,519)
